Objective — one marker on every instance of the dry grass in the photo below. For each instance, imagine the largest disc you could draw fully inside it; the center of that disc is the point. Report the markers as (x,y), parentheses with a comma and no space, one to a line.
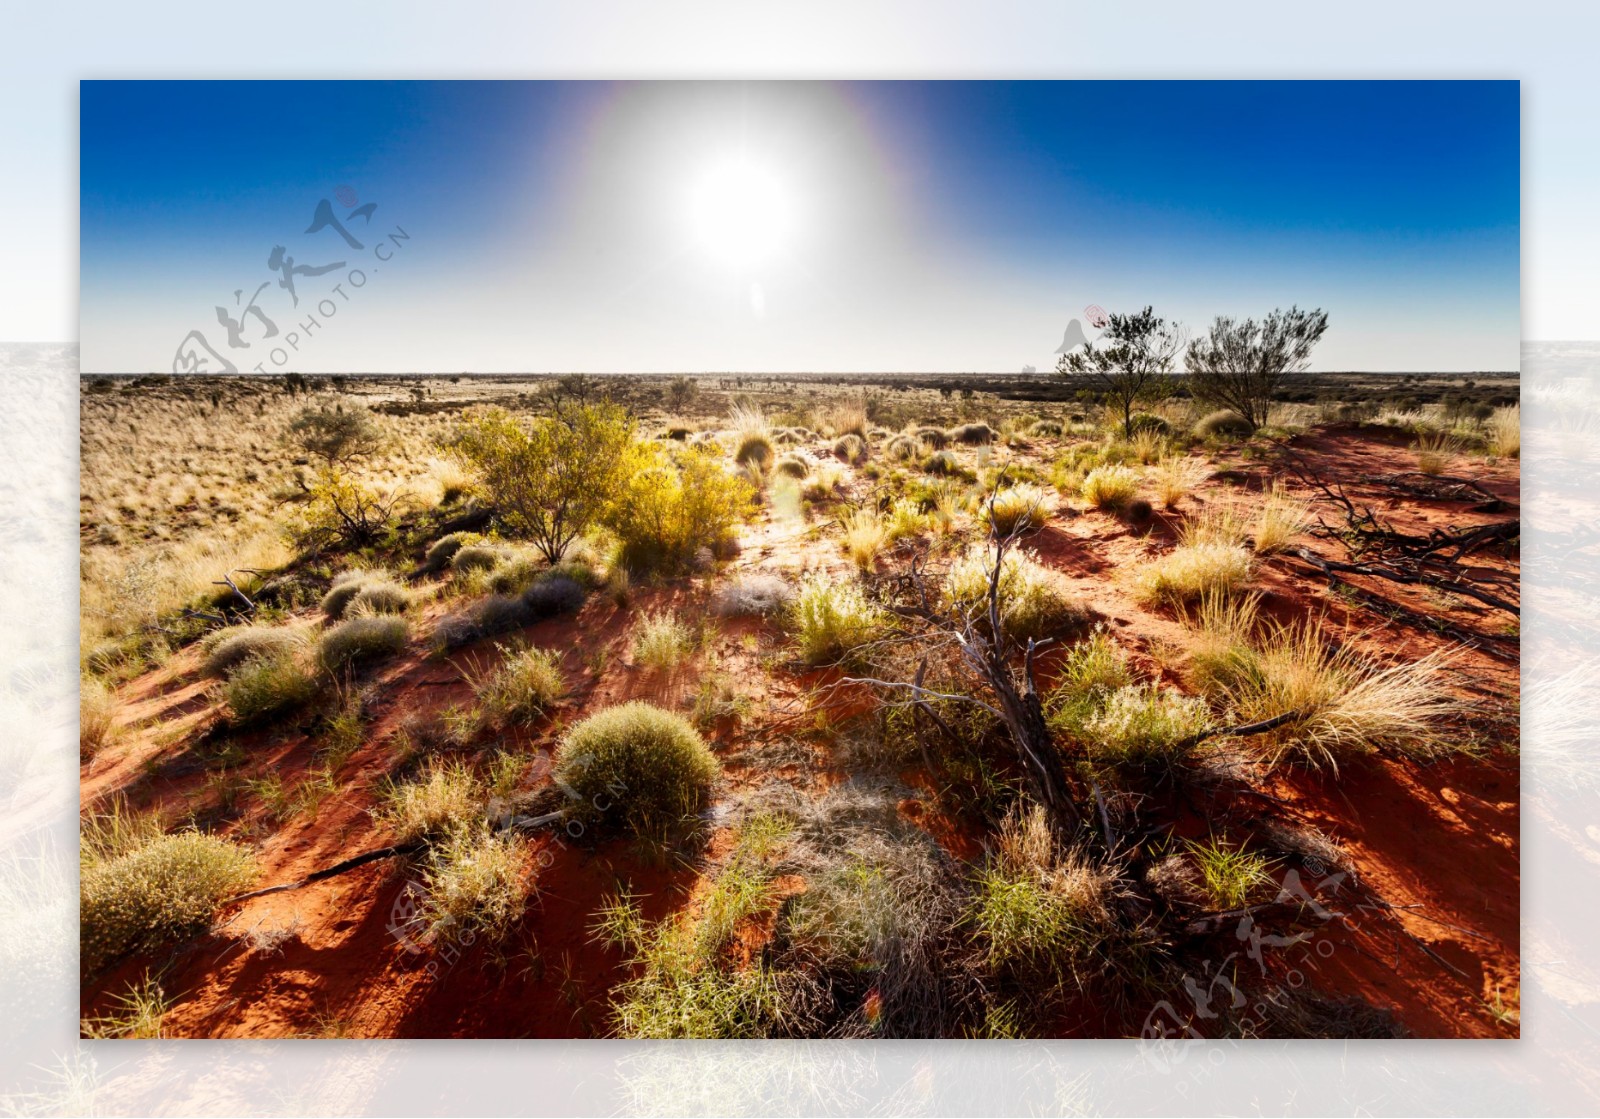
(1175,477)
(445,795)
(846,417)
(1505,432)
(138,887)
(1110,487)
(832,620)
(1280,519)
(1016,508)
(1037,907)
(1031,605)
(525,685)
(1191,571)
(1435,450)
(97,707)
(1345,703)
(865,534)
(477,883)
(661,641)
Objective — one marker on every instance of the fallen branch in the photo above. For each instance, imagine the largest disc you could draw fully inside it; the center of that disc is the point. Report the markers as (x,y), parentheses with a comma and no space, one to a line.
(502,824)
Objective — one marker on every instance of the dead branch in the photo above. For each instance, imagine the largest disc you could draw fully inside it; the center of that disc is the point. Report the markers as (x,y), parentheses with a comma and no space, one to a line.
(501,824)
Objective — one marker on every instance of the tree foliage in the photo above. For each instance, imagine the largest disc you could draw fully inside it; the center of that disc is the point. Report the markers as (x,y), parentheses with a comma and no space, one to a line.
(672,505)
(1131,364)
(553,477)
(335,433)
(1240,364)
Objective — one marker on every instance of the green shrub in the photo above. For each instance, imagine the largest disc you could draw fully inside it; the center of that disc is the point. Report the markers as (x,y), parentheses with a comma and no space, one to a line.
(833,620)
(1224,424)
(270,685)
(1045,428)
(250,643)
(942,463)
(552,477)
(165,887)
(636,767)
(342,511)
(360,640)
(671,508)
(1110,487)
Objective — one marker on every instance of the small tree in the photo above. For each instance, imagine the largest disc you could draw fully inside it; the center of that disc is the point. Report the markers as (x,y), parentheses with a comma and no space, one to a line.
(1132,363)
(345,512)
(680,392)
(1239,365)
(553,477)
(335,434)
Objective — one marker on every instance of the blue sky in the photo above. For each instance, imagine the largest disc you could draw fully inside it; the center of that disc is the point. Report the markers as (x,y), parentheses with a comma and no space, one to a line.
(790,226)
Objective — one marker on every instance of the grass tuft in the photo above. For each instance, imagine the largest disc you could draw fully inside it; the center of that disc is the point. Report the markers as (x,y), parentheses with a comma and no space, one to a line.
(268,686)
(636,767)
(138,887)
(526,685)
(661,641)
(1030,603)
(832,620)
(361,640)
(1110,487)
(445,795)
(1018,508)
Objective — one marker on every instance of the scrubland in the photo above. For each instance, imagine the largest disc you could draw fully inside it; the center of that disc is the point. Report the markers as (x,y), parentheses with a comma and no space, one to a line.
(801,707)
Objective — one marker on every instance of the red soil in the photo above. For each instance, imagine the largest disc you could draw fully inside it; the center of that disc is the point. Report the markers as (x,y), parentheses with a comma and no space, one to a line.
(1439,842)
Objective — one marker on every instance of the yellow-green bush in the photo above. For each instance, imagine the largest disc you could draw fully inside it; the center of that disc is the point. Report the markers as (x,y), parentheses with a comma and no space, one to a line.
(673,506)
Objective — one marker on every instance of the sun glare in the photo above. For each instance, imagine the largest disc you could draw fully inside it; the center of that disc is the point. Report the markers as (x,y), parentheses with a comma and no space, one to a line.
(740,213)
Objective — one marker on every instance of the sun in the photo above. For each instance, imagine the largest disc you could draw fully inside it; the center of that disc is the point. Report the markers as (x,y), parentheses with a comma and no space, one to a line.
(740,213)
